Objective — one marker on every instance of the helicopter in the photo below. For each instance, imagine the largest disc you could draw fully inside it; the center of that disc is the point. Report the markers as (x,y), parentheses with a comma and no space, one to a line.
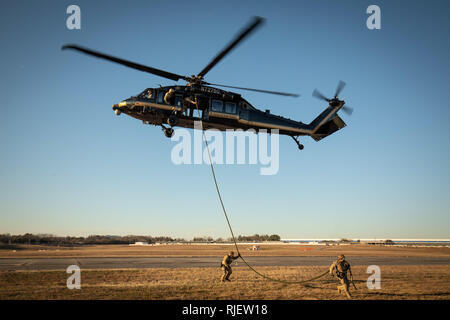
(198,100)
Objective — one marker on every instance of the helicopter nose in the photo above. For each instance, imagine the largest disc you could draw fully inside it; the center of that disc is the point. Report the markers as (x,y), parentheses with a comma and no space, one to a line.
(120,105)
(116,109)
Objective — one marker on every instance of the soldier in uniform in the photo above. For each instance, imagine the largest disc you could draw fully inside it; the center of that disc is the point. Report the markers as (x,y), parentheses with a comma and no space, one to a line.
(226,265)
(341,267)
(169,97)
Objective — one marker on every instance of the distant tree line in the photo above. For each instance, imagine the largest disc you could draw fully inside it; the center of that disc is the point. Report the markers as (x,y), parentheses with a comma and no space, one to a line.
(253,238)
(203,239)
(49,239)
(259,238)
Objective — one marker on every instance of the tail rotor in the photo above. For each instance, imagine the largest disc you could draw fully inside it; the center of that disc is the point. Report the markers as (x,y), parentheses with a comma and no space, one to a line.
(334,101)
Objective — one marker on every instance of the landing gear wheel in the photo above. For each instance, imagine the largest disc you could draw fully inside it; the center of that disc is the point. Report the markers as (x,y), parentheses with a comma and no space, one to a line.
(117,112)
(168,132)
(172,120)
(300,146)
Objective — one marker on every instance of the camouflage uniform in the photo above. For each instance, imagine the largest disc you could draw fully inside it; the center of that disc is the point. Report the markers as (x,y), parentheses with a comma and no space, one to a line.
(226,265)
(340,267)
(169,97)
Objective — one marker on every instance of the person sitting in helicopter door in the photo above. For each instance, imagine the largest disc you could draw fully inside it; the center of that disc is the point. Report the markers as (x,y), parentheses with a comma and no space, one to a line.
(149,94)
(169,96)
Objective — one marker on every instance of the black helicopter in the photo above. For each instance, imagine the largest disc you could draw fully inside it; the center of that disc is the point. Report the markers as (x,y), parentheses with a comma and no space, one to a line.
(172,106)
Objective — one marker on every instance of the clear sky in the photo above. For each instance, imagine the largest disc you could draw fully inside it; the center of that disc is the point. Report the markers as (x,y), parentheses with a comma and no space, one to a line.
(69,166)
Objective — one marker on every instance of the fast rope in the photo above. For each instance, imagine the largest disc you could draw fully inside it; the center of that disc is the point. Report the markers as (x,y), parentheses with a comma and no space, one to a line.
(229,225)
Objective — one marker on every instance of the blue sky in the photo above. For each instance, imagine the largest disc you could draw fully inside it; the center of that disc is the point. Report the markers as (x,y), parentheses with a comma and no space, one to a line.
(69,166)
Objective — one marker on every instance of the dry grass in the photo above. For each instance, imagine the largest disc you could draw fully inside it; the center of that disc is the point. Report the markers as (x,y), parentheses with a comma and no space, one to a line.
(218,250)
(397,282)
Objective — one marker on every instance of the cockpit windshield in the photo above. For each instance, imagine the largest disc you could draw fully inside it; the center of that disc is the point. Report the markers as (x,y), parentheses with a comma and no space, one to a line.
(245,105)
(147,94)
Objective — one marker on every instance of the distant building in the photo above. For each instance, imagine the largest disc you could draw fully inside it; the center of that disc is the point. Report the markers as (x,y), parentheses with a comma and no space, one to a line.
(392,242)
(139,243)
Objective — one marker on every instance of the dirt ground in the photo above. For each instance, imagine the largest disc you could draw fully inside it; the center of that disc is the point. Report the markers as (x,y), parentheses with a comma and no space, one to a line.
(187,250)
(397,282)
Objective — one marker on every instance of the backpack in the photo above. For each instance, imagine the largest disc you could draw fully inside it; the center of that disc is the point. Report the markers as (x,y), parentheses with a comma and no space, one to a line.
(342,268)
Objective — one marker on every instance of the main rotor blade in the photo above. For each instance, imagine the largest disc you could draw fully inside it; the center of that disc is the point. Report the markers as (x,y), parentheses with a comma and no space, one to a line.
(316,93)
(348,110)
(256,90)
(339,88)
(244,33)
(158,72)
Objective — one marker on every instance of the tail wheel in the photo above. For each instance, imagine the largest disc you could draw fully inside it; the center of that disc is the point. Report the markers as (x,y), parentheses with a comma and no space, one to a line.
(299,145)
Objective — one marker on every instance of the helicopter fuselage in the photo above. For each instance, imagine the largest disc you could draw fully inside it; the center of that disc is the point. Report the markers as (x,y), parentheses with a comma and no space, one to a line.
(216,109)
(223,110)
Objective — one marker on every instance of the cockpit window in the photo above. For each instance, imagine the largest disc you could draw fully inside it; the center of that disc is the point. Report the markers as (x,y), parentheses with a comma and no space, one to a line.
(216,105)
(245,105)
(147,94)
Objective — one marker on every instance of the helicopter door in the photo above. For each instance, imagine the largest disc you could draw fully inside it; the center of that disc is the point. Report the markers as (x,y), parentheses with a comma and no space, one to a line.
(179,101)
(160,96)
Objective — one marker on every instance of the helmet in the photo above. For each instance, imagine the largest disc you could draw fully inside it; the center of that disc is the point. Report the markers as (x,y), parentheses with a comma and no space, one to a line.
(231,253)
(341,257)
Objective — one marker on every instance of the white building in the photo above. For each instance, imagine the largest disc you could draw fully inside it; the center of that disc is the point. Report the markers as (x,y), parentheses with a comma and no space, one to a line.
(139,243)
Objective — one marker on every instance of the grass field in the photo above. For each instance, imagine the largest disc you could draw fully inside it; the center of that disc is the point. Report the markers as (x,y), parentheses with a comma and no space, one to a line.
(397,282)
(31,251)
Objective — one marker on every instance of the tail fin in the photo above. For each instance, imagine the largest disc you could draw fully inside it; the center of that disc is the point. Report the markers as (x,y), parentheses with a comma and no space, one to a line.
(329,127)
(326,123)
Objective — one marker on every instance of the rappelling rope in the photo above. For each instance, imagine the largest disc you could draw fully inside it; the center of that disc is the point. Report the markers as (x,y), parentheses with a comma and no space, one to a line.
(229,224)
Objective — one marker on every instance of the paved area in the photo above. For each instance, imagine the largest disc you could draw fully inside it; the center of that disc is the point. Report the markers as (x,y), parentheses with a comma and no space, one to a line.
(187,262)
